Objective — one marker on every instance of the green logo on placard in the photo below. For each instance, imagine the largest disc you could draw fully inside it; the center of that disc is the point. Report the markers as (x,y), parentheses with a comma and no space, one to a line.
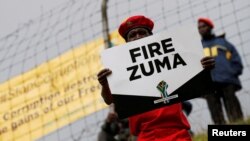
(162,87)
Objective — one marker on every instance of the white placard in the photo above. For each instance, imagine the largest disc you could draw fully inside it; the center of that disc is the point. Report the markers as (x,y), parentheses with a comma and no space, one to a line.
(174,57)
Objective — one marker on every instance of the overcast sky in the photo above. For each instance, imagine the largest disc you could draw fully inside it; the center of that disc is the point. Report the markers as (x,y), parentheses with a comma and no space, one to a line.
(15,13)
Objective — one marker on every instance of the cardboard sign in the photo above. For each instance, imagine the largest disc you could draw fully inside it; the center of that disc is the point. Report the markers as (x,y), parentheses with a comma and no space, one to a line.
(158,70)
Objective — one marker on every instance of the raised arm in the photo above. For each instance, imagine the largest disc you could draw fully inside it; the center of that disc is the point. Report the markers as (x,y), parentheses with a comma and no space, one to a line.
(102,78)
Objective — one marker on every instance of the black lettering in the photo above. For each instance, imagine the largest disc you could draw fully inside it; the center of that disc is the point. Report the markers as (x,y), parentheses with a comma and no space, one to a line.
(166,45)
(153,50)
(151,69)
(144,50)
(133,75)
(159,64)
(178,60)
(133,54)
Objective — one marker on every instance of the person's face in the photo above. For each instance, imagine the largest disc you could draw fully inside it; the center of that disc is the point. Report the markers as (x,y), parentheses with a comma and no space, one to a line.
(137,33)
(204,29)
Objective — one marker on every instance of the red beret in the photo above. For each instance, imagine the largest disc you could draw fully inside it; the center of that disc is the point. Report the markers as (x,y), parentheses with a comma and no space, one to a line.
(133,22)
(207,21)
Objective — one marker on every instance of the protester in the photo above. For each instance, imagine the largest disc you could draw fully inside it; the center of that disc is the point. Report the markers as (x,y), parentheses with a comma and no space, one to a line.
(114,129)
(225,75)
(168,123)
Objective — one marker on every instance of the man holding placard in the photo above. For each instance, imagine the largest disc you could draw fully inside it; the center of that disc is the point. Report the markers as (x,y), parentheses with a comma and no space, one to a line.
(165,122)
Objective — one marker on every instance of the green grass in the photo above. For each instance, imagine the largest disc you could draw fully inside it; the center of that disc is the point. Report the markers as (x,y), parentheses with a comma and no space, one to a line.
(203,136)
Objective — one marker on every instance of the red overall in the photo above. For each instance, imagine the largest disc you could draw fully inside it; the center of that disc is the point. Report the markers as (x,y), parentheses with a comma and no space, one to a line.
(165,124)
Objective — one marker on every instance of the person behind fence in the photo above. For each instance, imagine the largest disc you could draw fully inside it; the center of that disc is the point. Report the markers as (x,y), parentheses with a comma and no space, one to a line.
(225,75)
(114,129)
(166,123)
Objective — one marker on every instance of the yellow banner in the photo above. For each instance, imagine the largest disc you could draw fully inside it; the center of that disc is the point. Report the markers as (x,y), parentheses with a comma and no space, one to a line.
(53,94)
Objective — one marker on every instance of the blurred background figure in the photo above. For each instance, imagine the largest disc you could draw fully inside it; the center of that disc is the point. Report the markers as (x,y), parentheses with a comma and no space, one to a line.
(228,68)
(114,129)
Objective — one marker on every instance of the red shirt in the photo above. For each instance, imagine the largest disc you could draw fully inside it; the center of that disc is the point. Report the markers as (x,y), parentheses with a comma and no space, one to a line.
(164,124)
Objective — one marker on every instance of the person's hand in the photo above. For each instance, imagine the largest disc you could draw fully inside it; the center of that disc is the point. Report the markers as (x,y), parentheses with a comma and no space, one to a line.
(102,76)
(208,62)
